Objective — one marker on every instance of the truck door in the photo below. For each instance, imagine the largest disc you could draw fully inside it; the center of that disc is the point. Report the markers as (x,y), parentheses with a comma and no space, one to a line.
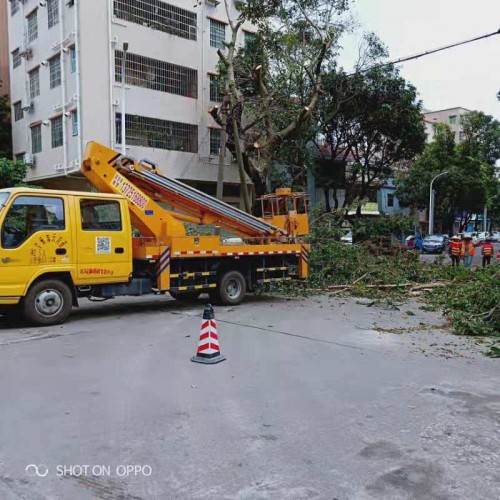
(35,238)
(104,240)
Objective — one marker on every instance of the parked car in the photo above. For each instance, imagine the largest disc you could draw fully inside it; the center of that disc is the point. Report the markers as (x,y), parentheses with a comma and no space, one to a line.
(479,237)
(495,236)
(347,238)
(435,243)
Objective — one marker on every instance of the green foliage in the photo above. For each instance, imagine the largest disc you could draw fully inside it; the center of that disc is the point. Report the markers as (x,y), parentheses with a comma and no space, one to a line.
(384,225)
(11,173)
(5,128)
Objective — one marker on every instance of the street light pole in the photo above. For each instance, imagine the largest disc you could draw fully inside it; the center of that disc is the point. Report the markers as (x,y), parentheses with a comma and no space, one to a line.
(431,203)
(123,129)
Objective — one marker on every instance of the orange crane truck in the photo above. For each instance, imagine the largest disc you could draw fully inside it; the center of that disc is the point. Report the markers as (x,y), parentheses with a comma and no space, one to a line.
(132,238)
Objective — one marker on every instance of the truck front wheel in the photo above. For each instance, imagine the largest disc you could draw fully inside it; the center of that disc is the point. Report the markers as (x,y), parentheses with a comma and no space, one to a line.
(47,302)
(232,288)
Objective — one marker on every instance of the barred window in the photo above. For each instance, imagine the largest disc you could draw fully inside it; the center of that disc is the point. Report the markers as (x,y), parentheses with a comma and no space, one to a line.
(36,139)
(157,75)
(72,55)
(155,133)
(55,71)
(34,77)
(214,141)
(74,122)
(215,91)
(52,12)
(32,20)
(16,59)
(14,6)
(57,131)
(18,111)
(217,34)
(158,15)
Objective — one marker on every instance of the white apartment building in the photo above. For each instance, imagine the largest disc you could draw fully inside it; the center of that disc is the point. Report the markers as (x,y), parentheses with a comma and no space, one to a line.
(66,78)
(450,116)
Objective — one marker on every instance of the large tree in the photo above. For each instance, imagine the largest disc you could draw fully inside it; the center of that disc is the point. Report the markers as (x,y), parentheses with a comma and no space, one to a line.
(463,191)
(373,119)
(274,86)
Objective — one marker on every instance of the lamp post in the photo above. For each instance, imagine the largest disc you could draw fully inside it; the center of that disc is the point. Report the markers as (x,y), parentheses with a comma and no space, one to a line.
(124,60)
(431,203)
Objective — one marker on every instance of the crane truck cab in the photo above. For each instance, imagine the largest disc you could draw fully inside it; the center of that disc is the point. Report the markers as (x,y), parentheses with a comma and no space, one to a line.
(57,247)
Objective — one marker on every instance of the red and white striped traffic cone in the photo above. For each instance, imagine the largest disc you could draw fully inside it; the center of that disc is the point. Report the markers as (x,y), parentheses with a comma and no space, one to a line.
(208,346)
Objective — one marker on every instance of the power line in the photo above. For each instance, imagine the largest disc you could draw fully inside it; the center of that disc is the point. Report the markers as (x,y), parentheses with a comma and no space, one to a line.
(427,52)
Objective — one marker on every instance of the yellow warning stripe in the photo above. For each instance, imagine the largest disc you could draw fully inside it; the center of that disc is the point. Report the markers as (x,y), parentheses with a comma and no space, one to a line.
(192,275)
(269,280)
(264,269)
(192,287)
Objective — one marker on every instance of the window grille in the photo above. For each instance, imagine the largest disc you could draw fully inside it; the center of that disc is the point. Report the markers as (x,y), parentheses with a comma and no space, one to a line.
(74,122)
(215,91)
(36,139)
(158,15)
(34,77)
(52,12)
(18,111)
(155,133)
(157,75)
(55,71)
(72,55)
(14,6)
(214,141)
(217,34)
(57,132)
(32,20)
(16,59)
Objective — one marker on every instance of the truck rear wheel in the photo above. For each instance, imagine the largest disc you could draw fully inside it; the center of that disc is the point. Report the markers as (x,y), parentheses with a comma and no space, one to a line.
(232,288)
(47,302)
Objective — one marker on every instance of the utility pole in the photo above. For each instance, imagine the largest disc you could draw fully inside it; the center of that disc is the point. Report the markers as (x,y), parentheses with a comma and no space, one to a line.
(431,203)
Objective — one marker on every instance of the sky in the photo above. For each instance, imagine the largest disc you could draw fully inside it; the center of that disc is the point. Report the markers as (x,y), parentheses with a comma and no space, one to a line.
(466,76)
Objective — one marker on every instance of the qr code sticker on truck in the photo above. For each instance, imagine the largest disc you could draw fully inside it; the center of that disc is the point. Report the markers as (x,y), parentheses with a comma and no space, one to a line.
(102,245)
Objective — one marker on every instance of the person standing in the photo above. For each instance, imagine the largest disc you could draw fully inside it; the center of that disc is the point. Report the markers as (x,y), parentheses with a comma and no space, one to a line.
(467,250)
(487,251)
(455,249)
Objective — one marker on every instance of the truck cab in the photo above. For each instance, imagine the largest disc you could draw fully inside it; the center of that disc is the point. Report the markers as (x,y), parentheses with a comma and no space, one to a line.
(54,243)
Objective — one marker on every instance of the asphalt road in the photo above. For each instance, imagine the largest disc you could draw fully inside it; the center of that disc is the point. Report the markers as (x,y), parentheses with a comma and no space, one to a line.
(477,261)
(318,399)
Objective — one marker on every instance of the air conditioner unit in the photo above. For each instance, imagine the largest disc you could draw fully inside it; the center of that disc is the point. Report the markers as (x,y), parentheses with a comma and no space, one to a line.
(212,3)
(75,97)
(58,167)
(55,46)
(116,102)
(56,107)
(70,3)
(27,106)
(30,160)
(27,53)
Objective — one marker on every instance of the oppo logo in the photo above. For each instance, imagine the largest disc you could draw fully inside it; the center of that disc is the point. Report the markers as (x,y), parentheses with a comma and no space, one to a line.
(40,470)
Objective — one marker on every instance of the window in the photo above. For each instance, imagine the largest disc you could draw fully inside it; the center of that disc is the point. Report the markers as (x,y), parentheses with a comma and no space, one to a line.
(57,132)
(100,215)
(36,139)
(250,39)
(20,157)
(18,111)
(72,57)
(215,91)
(32,26)
(159,16)
(74,122)
(157,75)
(453,120)
(390,200)
(14,6)
(217,34)
(155,133)
(30,214)
(214,141)
(52,12)
(55,71)
(34,77)
(16,59)
(231,191)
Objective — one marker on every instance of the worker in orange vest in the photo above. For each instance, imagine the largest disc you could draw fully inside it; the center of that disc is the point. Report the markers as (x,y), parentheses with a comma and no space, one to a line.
(467,250)
(487,251)
(454,250)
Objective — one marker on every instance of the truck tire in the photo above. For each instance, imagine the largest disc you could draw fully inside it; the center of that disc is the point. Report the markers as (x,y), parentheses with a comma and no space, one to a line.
(185,296)
(47,302)
(232,288)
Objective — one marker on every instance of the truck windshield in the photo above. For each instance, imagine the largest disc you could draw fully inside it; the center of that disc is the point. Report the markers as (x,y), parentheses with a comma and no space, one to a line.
(3,199)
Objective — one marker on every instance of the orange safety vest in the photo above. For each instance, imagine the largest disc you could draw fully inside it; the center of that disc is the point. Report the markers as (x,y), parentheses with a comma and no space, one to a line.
(455,248)
(487,249)
(469,247)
